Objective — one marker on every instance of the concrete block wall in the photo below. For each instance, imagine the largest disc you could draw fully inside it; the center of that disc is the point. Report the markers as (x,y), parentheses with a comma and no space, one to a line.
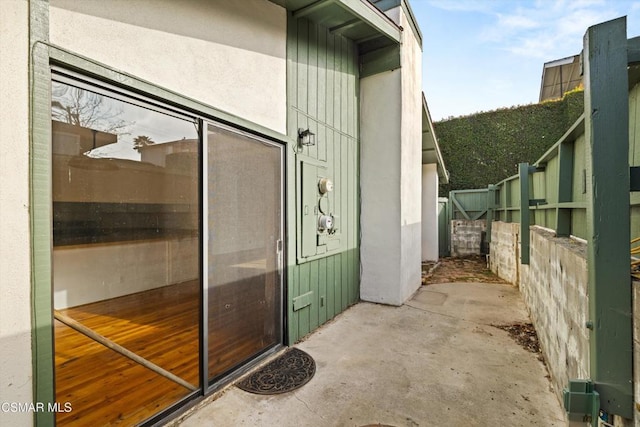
(466,236)
(555,290)
(505,251)
(554,287)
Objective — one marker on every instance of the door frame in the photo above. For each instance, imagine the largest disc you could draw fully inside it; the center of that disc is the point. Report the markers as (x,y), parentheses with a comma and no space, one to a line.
(211,385)
(101,76)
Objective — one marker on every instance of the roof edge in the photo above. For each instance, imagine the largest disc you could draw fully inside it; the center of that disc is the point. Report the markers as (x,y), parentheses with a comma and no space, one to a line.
(426,115)
(385,5)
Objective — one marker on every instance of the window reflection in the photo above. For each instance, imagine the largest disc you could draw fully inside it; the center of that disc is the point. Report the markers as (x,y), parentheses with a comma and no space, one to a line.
(126,257)
(121,172)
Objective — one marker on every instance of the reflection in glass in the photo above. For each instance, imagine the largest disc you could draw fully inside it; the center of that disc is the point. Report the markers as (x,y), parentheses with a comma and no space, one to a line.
(244,226)
(125,258)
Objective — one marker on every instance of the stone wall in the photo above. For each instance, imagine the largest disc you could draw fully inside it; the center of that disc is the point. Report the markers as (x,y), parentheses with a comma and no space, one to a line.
(466,237)
(554,287)
(504,259)
(555,290)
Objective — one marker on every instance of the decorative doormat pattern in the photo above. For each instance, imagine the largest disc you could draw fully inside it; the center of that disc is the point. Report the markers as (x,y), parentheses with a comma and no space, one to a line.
(287,372)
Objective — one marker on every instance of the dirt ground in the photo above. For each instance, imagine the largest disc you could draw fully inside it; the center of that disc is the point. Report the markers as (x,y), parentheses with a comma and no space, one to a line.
(466,269)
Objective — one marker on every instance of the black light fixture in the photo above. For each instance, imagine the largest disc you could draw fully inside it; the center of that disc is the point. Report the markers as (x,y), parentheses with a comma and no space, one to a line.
(306,137)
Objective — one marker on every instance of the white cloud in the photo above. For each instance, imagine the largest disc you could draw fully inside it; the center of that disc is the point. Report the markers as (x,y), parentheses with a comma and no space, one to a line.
(546,29)
(507,42)
(517,21)
(463,5)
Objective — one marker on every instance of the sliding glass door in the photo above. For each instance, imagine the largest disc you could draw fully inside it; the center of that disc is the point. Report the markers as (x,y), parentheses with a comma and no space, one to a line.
(243,193)
(167,253)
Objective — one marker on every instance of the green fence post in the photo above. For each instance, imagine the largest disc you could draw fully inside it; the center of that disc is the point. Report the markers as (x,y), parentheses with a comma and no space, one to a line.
(491,206)
(565,188)
(523,172)
(606,107)
(508,201)
(449,226)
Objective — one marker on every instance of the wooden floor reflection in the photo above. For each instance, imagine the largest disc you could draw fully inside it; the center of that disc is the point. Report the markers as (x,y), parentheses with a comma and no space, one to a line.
(162,326)
(106,388)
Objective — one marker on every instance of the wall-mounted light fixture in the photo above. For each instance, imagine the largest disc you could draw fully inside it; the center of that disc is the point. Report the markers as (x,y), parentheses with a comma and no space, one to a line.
(306,137)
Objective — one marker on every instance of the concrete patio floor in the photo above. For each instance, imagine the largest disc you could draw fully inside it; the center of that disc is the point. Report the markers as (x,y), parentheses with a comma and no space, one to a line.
(435,361)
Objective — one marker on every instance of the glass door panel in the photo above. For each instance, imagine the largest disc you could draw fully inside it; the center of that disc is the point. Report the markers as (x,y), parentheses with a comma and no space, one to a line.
(126,256)
(244,227)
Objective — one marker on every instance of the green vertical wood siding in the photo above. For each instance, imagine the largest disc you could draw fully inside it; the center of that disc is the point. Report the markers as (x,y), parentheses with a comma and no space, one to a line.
(322,87)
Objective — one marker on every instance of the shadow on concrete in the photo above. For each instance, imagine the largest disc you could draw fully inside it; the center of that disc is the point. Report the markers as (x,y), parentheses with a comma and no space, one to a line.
(435,361)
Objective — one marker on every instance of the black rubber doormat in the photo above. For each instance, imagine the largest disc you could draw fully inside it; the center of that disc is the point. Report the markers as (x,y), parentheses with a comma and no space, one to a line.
(287,372)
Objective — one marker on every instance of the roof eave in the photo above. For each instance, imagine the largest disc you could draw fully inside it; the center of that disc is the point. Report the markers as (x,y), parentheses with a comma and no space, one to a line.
(430,143)
(357,20)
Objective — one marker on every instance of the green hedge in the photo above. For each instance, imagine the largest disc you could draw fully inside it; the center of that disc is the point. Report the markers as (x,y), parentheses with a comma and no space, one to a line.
(485,148)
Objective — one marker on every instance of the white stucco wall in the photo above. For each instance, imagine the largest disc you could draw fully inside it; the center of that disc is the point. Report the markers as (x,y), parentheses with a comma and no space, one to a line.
(229,54)
(391,177)
(411,160)
(430,212)
(15,276)
(380,244)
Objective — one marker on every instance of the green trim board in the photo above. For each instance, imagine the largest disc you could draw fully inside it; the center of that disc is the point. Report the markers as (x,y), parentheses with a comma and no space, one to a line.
(608,216)
(372,17)
(553,206)
(41,211)
(357,20)
(570,135)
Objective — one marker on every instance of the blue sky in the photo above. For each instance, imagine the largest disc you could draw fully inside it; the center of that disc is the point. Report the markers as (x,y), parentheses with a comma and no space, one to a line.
(481,55)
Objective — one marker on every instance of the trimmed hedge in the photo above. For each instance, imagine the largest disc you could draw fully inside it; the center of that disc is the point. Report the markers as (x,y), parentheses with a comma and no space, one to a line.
(485,148)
